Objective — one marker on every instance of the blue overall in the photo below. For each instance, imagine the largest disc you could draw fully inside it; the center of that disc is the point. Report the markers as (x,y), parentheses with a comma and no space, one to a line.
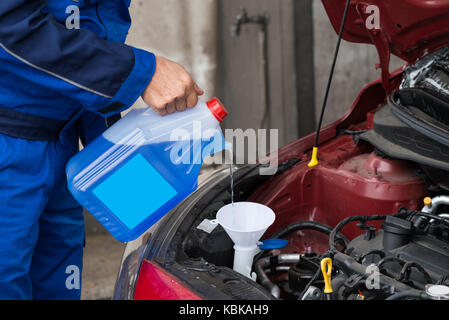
(58,83)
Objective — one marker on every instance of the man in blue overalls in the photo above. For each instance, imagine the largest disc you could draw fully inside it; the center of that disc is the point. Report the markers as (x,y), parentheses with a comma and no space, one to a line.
(59,84)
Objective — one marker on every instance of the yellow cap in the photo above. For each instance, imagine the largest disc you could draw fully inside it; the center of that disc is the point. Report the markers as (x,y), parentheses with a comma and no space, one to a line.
(314,161)
(428,201)
(326,269)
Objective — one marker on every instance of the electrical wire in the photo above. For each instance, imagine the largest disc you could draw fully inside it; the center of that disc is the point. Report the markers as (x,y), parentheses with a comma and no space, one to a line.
(390,259)
(344,222)
(315,277)
(380,253)
(407,268)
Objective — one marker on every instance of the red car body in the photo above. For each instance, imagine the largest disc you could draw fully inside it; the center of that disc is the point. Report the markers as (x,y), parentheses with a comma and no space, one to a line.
(350,179)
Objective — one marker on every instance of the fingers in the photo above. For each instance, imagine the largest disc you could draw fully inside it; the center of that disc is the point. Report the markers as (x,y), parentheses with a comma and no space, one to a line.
(192,95)
(192,99)
(181,104)
(162,112)
(172,89)
(171,108)
(198,90)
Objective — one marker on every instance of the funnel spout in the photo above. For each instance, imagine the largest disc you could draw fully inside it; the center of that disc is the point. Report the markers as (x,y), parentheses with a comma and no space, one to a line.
(243,260)
(245,223)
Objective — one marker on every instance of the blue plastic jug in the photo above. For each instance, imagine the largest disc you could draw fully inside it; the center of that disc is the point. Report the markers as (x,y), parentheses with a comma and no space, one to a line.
(145,165)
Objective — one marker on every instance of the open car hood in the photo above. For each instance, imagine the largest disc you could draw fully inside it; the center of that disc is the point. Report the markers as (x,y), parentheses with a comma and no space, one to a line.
(409,29)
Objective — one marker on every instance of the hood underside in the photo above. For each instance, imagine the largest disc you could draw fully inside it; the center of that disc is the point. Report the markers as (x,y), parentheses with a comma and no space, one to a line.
(409,29)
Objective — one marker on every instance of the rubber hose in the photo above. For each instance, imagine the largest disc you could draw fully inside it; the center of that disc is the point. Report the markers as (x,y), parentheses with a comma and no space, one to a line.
(363,219)
(408,294)
(337,284)
(303,225)
(308,225)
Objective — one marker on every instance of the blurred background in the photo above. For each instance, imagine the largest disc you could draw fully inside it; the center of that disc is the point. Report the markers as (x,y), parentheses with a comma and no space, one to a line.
(267,60)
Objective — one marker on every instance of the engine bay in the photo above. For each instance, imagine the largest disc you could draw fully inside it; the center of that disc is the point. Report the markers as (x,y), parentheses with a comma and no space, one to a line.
(395,246)
(371,222)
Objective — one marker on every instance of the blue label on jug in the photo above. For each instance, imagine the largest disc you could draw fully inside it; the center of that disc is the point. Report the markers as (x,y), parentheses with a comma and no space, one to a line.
(134,191)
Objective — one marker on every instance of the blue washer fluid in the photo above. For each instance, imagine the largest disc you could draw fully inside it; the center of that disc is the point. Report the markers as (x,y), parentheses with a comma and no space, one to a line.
(144,166)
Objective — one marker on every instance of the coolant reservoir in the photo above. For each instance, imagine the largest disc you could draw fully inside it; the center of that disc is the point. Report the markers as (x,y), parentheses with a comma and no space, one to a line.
(144,165)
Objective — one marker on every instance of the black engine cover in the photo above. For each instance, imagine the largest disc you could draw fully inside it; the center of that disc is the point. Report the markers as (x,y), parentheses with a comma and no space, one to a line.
(399,240)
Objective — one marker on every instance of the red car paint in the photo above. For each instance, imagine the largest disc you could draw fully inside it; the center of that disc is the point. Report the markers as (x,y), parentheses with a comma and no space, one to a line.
(155,283)
(409,29)
(351,179)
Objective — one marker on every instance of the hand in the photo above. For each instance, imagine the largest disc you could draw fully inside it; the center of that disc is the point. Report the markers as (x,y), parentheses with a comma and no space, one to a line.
(171,89)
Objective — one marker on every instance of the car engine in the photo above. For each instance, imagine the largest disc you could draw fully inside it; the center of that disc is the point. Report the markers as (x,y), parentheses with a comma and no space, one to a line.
(404,255)
(382,183)
(409,255)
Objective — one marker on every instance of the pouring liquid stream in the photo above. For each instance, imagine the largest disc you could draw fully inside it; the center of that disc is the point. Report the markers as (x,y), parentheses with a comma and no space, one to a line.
(230,149)
(232,182)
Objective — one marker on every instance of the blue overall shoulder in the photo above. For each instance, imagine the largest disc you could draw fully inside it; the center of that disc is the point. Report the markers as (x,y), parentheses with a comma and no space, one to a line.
(38,50)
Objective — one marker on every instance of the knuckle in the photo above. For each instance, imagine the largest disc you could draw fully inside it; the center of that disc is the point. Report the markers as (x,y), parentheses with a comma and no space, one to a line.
(187,80)
(181,94)
(169,99)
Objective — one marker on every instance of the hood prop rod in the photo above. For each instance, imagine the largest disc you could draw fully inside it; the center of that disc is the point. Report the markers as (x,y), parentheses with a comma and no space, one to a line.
(314,161)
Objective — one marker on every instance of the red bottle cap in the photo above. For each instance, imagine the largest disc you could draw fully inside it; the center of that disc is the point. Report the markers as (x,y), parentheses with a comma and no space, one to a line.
(217,108)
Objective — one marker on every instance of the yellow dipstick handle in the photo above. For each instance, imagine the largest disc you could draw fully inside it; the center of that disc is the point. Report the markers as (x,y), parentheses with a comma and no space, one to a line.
(326,269)
(314,161)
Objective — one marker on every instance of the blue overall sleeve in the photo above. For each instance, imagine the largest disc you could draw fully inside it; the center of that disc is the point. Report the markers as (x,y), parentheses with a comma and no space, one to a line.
(105,77)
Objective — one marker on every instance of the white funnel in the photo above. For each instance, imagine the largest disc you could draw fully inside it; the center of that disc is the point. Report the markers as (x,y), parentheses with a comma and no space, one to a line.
(245,223)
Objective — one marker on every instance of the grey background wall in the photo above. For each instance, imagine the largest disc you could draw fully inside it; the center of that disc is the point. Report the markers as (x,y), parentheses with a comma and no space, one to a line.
(192,31)
(286,84)
(355,67)
(181,30)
